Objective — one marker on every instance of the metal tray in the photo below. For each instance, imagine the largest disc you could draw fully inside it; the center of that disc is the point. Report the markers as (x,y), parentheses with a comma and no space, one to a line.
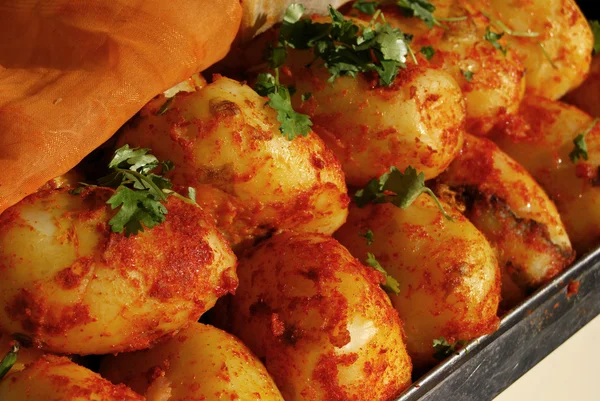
(489,364)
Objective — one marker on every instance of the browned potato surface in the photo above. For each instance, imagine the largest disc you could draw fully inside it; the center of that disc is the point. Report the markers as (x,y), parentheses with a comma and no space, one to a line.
(585,97)
(514,213)
(226,143)
(542,139)
(448,273)
(200,363)
(73,286)
(52,378)
(319,320)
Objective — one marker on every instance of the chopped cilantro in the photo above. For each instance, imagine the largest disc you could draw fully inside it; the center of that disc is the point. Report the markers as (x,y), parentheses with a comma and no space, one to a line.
(444,349)
(9,360)
(595,25)
(306,96)
(580,151)
(468,75)
(397,188)
(390,285)
(369,236)
(366,6)
(428,52)
(421,9)
(493,38)
(165,106)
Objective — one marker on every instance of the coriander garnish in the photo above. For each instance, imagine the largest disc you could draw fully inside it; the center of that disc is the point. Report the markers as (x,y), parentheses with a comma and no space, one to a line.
(580,151)
(9,360)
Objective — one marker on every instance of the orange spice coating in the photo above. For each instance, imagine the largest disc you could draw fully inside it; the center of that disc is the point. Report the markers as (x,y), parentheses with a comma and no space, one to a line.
(320,321)
(73,286)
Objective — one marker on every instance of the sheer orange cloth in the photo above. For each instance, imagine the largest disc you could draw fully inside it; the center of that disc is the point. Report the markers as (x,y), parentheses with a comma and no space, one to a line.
(73,71)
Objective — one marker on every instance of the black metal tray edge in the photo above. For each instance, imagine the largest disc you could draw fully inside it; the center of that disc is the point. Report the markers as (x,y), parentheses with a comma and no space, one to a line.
(527,334)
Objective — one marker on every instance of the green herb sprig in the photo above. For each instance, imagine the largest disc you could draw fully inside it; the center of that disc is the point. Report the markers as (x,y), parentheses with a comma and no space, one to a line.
(580,151)
(444,349)
(9,360)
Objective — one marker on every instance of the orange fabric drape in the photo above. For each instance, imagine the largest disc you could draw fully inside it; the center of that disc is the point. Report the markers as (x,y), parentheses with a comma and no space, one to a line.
(73,71)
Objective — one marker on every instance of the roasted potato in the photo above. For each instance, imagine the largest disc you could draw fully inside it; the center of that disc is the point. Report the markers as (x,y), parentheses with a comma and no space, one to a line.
(492,83)
(249,177)
(514,213)
(448,273)
(585,97)
(73,286)
(55,378)
(418,121)
(558,58)
(200,363)
(541,139)
(319,320)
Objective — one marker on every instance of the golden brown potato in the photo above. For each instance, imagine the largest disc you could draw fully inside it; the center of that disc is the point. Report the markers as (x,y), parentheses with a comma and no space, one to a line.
(585,97)
(514,213)
(417,121)
(564,34)
(249,177)
(200,363)
(55,378)
(448,273)
(497,83)
(73,286)
(541,140)
(319,320)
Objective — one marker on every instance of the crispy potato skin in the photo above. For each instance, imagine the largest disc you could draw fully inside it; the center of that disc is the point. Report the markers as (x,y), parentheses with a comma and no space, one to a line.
(585,97)
(55,378)
(498,82)
(541,138)
(252,180)
(73,286)
(448,273)
(418,121)
(564,34)
(514,213)
(319,320)
(200,363)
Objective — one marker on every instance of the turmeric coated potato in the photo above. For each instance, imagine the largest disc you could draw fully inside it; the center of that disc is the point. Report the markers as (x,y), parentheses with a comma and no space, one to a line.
(541,139)
(418,121)
(252,180)
(448,273)
(73,286)
(563,37)
(492,83)
(52,378)
(200,363)
(585,97)
(319,320)
(514,213)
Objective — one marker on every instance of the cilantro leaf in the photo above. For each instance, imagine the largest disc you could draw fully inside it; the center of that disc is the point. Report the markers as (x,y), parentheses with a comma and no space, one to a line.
(397,188)
(369,236)
(493,38)
(580,151)
(422,9)
(595,25)
(265,84)
(428,52)
(9,360)
(292,122)
(366,6)
(444,349)
(468,75)
(390,285)
(138,209)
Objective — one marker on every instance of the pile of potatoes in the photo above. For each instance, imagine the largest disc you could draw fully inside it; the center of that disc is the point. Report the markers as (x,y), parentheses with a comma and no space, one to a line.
(276,250)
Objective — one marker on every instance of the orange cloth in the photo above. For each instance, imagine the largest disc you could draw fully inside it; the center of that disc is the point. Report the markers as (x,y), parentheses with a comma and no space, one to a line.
(73,71)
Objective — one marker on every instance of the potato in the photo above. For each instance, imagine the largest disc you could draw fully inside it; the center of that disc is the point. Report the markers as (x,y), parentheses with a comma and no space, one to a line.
(497,83)
(541,139)
(417,122)
(319,320)
(585,97)
(249,177)
(564,34)
(73,286)
(448,273)
(200,363)
(514,213)
(55,378)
